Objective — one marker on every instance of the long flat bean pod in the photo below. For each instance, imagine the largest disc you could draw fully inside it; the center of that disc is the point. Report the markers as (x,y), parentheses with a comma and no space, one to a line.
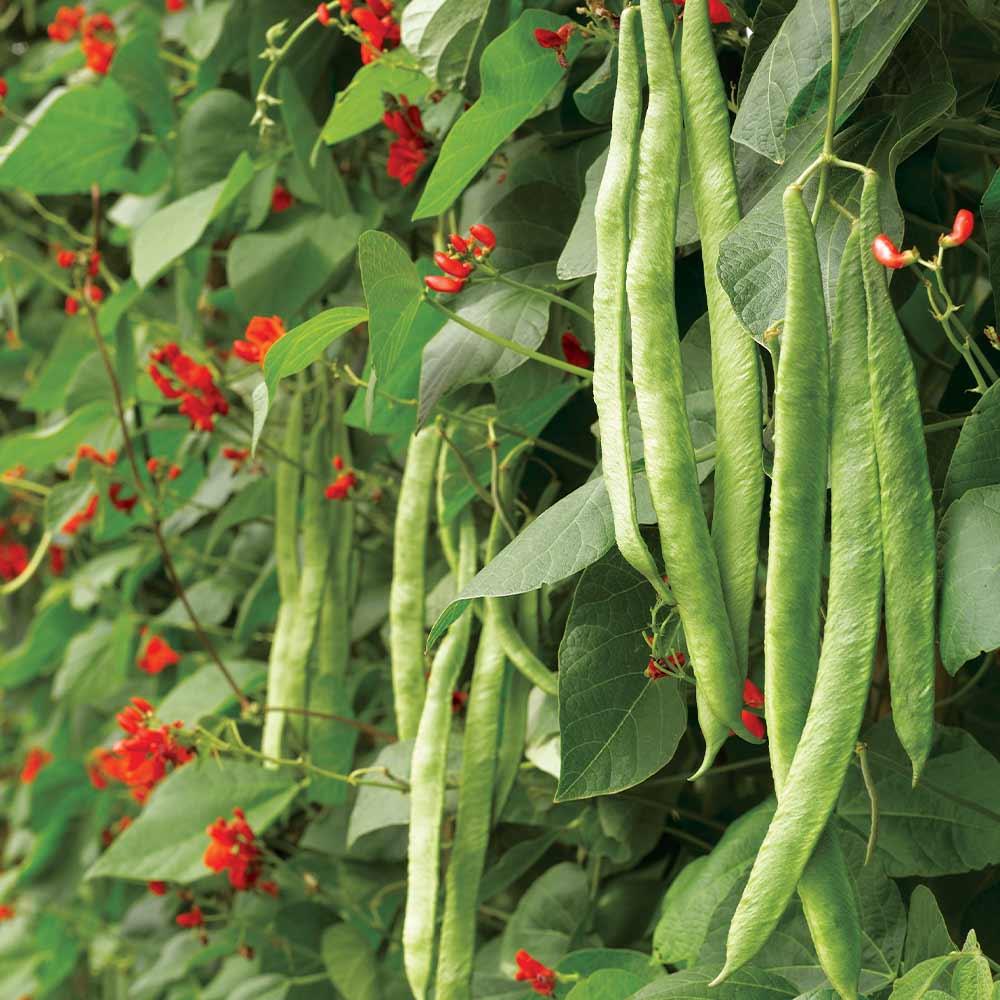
(611,215)
(407,591)
(659,387)
(287,480)
(518,651)
(475,796)
(427,780)
(739,469)
(810,789)
(908,537)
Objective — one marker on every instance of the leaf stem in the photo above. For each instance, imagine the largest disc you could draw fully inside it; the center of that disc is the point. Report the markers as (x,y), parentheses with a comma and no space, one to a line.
(861,749)
(831,111)
(541,293)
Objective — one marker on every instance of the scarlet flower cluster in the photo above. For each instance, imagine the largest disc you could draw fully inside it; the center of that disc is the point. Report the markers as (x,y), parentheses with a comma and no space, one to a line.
(574,352)
(718,12)
(67,259)
(540,977)
(76,521)
(408,151)
(659,667)
(191,918)
(72,304)
(261,334)
(281,199)
(558,40)
(142,759)
(36,759)
(459,261)
(374,18)
(341,487)
(87,452)
(200,398)
(157,656)
(153,466)
(97,32)
(13,557)
(233,849)
(124,504)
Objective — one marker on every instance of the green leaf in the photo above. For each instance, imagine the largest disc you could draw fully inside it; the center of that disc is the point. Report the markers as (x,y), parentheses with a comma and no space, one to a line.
(350,962)
(926,931)
(206,692)
(48,389)
(514,863)
(617,726)
(176,228)
(168,839)
(550,916)
(361,104)
(137,68)
(97,663)
(517,77)
(702,886)
(41,447)
(972,979)
(595,97)
(49,631)
(949,823)
(976,459)
(587,961)
(747,983)
(919,981)
(969,546)
(447,37)
(74,137)
(281,269)
(213,132)
(607,984)
(990,209)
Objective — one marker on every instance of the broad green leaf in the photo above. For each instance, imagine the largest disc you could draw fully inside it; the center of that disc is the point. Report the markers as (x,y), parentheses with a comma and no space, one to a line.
(361,104)
(174,229)
(926,931)
(48,388)
(212,134)
(748,983)
(38,652)
(97,663)
(595,97)
(617,726)
(271,986)
(972,979)
(74,137)
(350,962)
(701,887)
(281,269)
(767,19)
(969,546)
(514,863)
(587,961)
(168,839)
(976,459)
(456,356)
(949,823)
(203,28)
(138,70)
(447,38)
(39,448)
(207,692)
(550,916)
(607,984)
(918,982)
(517,77)
(990,209)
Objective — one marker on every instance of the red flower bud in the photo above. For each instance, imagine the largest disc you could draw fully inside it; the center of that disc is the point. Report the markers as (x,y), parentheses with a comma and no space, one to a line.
(548,39)
(484,234)
(157,888)
(71,305)
(458,243)
(95,293)
(66,258)
(753,697)
(574,352)
(887,254)
(3,88)
(323,14)
(754,724)
(456,268)
(961,229)
(444,283)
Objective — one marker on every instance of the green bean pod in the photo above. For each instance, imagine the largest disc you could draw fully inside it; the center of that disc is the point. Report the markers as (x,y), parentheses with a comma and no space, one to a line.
(287,480)
(475,796)
(518,651)
(407,591)
(908,538)
(808,792)
(427,781)
(611,215)
(739,467)
(659,387)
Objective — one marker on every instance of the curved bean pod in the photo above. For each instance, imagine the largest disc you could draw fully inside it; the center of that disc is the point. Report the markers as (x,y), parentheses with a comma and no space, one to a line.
(908,537)
(659,387)
(611,215)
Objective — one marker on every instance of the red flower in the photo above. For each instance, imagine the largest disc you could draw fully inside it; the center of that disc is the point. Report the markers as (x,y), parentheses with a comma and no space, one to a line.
(95,293)
(407,152)
(888,255)
(444,283)
(754,723)
(3,88)
(338,463)
(377,25)
(458,701)
(458,243)
(961,229)
(484,235)
(323,14)
(57,560)
(6,912)
(201,400)
(558,40)
(157,656)
(261,334)
(94,263)
(340,488)
(152,466)
(452,265)
(98,42)
(718,12)
(233,849)
(118,501)
(66,23)
(37,759)
(654,669)
(91,454)
(281,197)
(65,258)
(173,6)
(541,978)
(574,352)
(753,697)
(173,472)
(157,888)
(76,521)
(237,456)
(192,918)
(72,305)
(13,560)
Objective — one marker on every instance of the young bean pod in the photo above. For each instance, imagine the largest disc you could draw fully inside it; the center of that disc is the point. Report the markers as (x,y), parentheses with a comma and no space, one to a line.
(671,471)
(908,538)
(811,787)
(406,594)
(739,468)
(611,216)
(427,780)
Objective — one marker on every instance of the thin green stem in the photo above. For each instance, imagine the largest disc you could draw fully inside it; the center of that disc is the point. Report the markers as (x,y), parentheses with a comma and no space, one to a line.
(31,569)
(551,296)
(989,661)
(944,425)
(831,111)
(870,786)
(13,482)
(509,345)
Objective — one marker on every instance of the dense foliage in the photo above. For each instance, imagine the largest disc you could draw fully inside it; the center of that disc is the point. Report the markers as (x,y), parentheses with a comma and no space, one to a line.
(322,672)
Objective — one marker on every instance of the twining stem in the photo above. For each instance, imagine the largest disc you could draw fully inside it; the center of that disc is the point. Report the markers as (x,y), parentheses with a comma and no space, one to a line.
(831,111)
(29,571)
(870,786)
(551,296)
(508,345)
